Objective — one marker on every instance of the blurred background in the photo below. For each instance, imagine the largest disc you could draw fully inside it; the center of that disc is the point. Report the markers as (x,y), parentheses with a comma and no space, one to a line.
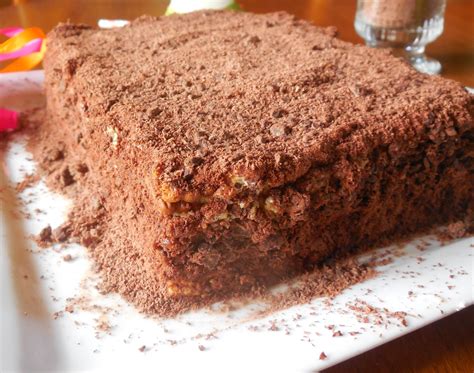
(454,49)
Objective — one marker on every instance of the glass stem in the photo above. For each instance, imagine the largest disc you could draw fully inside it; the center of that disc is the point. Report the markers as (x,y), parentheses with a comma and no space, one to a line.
(417,58)
(415,53)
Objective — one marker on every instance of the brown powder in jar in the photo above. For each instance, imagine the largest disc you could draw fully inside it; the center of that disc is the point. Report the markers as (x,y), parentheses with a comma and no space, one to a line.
(398,13)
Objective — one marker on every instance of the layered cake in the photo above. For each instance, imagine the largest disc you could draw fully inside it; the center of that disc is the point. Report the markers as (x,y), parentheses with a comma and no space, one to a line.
(245,149)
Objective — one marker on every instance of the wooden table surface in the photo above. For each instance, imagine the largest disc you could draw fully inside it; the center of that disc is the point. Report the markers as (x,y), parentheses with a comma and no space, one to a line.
(445,346)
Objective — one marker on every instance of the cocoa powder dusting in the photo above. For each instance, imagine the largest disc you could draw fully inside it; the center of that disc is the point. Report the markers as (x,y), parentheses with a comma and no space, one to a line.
(328,280)
(157,223)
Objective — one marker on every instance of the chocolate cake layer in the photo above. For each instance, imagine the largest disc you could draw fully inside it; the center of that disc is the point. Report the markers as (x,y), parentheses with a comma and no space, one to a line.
(247,148)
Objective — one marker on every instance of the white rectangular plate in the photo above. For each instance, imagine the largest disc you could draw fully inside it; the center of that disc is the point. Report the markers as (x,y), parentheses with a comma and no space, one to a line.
(35,283)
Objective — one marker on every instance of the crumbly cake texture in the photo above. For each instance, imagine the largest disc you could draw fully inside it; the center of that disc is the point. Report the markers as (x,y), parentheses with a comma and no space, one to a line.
(234,150)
